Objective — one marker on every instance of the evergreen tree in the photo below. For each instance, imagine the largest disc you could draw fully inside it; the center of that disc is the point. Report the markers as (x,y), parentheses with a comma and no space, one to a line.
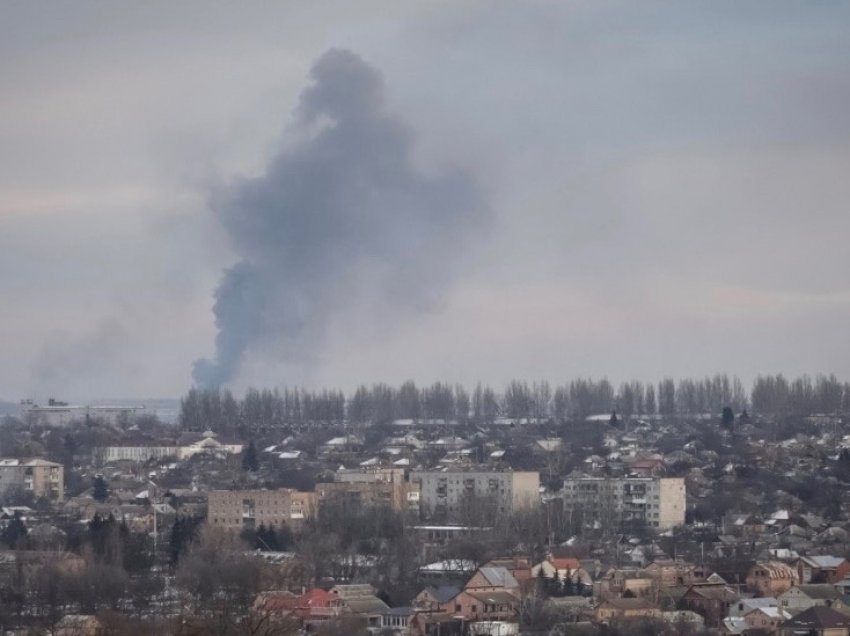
(283,537)
(14,531)
(728,418)
(100,491)
(555,585)
(136,554)
(103,539)
(842,466)
(249,459)
(182,532)
(175,540)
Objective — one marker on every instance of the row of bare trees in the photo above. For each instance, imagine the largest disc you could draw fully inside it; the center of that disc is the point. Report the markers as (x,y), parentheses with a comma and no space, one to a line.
(264,410)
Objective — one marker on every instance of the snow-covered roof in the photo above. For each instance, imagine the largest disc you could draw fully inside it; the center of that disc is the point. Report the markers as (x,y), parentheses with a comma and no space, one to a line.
(823,562)
(449,565)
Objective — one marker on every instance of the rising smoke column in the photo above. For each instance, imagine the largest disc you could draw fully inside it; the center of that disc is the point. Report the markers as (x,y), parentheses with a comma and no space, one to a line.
(339,211)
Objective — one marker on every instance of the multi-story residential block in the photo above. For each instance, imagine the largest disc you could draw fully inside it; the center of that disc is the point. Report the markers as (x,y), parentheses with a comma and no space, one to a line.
(370,474)
(371,487)
(58,413)
(38,476)
(446,491)
(238,509)
(659,502)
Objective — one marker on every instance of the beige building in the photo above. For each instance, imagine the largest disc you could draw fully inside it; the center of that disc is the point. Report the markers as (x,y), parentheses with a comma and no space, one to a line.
(398,496)
(771,578)
(444,491)
(674,572)
(657,501)
(238,509)
(617,609)
(38,476)
(371,487)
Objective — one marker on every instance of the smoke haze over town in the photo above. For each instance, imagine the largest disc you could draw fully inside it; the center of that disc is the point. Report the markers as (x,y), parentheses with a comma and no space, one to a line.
(377,191)
(424,318)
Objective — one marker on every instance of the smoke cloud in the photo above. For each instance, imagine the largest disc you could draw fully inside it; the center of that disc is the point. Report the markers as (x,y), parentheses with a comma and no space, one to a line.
(341,212)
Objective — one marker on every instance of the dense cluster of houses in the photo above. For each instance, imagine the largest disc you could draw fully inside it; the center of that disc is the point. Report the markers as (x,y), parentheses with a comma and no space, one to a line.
(808,595)
(638,525)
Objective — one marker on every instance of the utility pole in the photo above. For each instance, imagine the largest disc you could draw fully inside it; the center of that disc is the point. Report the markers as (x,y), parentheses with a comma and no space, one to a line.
(154,533)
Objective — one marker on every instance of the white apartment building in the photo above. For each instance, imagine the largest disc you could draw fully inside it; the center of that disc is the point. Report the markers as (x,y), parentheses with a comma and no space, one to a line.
(189,445)
(657,501)
(444,491)
(140,454)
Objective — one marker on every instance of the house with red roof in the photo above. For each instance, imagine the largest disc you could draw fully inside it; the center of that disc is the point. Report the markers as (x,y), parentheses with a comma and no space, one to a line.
(317,605)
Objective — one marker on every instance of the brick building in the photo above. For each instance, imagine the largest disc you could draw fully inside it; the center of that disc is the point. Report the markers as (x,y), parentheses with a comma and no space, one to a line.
(238,509)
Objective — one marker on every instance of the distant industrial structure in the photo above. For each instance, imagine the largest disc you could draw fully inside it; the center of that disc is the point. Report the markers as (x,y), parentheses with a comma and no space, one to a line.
(58,413)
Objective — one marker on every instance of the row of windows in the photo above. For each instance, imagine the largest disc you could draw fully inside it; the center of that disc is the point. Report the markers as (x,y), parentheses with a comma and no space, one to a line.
(395,621)
(487,608)
(238,520)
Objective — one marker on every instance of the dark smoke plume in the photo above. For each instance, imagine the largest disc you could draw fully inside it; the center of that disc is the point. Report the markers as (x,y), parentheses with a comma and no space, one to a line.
(339,211)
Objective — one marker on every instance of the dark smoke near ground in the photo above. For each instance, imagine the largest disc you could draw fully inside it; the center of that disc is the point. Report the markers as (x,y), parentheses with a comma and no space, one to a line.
(340,212)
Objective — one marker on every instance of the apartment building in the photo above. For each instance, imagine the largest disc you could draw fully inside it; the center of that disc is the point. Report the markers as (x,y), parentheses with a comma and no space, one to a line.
(657,501)
(371,487)
(38,476)
(239,509)
(60,414)
(445,491)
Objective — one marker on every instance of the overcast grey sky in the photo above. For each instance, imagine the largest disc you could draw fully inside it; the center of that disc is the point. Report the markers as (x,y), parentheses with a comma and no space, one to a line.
(666,189)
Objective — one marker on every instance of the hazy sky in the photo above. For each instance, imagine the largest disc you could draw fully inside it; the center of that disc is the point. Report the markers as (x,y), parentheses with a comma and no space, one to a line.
(666,186)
